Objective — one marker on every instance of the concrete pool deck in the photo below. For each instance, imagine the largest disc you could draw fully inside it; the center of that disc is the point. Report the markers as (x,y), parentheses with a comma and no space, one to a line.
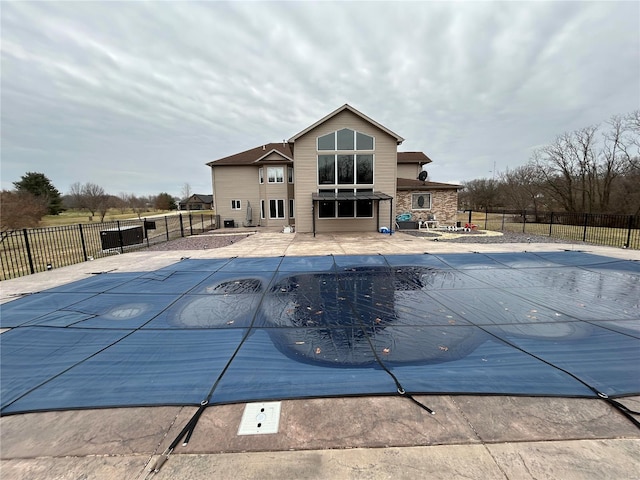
(501,437)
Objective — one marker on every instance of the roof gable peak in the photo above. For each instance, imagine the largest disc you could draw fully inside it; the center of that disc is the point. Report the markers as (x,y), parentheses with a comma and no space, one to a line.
(348,107)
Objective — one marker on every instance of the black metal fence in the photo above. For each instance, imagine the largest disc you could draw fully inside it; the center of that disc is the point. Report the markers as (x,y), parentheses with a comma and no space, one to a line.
(601,229)
(31,250)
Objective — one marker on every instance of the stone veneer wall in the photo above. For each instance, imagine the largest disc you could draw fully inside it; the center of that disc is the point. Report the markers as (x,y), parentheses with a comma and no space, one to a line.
(444,205)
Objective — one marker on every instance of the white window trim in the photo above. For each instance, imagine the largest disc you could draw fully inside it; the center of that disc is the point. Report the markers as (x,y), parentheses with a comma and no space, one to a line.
(425,208)
(290,177)
(292,208)
(275,176)
(234,203)
(335,213)
(284,213)
(261,175)
(328,186)
(355,139)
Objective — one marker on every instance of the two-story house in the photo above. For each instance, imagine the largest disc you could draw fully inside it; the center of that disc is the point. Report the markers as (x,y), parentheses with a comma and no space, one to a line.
(342,174)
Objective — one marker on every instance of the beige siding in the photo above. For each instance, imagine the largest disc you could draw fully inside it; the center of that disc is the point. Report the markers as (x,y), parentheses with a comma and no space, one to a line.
(276,191)
(291,195)
(408,170)
(242,183)
(306,181)
(236,183)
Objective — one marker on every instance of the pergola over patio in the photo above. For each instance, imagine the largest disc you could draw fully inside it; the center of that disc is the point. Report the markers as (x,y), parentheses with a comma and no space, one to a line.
(376,197)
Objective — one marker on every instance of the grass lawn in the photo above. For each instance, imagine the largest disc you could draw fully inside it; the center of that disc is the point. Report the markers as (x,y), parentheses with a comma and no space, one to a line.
(74,217)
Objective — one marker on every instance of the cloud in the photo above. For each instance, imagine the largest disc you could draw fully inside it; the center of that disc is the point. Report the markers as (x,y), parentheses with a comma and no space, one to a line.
(137,97)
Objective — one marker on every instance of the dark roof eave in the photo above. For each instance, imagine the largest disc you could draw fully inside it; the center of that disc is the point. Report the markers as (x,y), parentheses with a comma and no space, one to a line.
(430,187)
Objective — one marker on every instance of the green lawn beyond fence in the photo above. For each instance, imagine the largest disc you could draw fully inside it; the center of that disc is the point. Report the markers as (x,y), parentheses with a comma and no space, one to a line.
(32,250)
(612,230)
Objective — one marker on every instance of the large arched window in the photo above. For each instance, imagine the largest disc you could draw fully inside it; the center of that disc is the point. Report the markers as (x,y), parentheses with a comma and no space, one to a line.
(339,160)
(345,139)
(345,165)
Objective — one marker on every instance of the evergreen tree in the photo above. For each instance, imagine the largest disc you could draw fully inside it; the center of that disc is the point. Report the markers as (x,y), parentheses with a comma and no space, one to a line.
(41,187)
(164,201)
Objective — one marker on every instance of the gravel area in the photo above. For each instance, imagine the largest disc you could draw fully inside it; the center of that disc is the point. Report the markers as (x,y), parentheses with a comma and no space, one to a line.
(492,237)
(198,242)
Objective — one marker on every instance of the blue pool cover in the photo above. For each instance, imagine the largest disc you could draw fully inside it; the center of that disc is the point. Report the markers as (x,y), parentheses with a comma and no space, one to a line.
(257,329)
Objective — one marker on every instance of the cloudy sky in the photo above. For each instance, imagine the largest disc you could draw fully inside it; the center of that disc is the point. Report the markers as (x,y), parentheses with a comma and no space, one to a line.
(137,97)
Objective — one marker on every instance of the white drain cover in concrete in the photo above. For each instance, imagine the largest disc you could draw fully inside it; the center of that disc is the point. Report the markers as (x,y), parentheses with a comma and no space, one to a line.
(259,418)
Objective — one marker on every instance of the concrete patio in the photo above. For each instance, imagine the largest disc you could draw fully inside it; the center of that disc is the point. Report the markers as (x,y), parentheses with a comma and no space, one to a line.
(489,437)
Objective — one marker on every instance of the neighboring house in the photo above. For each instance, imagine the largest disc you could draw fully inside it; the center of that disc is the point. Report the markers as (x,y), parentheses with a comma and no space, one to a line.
(197,201)
(343,173)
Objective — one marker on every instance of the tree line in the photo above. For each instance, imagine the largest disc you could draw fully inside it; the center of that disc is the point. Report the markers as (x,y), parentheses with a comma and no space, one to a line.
(35,196)
(595,169)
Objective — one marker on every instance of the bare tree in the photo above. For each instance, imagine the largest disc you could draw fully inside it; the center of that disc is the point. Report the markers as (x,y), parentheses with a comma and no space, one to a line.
(480,194)
(76,196)
(614,159)
(139,204)
(581,169)
(122,202)
(20,210)
(186,191)
(632,123)
(94,197)
(522,187)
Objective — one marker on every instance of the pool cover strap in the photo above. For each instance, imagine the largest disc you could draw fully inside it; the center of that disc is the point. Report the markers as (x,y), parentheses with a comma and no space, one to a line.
(187,430)
(399,386)
(190,427)
(623,409)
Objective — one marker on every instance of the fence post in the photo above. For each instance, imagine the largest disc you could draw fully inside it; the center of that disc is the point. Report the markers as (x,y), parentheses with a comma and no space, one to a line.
(202,222)
(166,225)
(190,225)
(120,236)
(486,215)
(181,225)
(630,224)
(84,247)
(551,224)
(503,215)
(584,233)
(524,220)
(26,244)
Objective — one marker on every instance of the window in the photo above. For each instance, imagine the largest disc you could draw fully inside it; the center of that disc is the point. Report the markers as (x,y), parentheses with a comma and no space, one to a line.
(332,208)
(262,209)
(420,201)
(345,169)
(327,142)
(346,208)
(364,169)
(345,139)
(326,169)
(275,174)
(351,169)
(363,142)
(327,208)
(235,205)
(261,174)
(364,208)
(276,208)
(290,174)
(291,210)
